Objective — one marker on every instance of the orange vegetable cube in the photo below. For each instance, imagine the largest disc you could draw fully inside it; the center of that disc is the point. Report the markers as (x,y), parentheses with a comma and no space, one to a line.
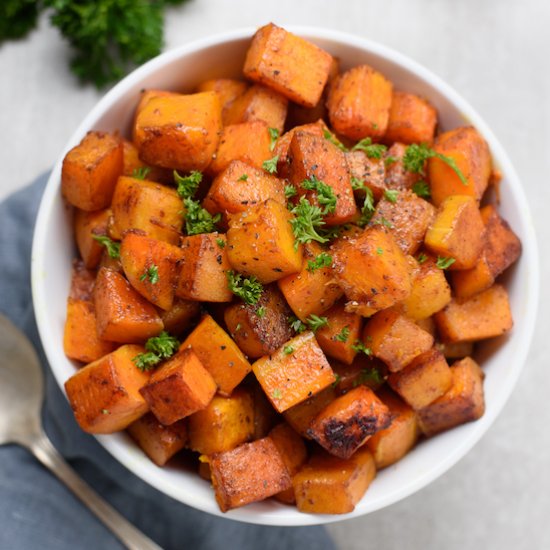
(227,90)
(457,350)
(371,172)
(300,416)
(86,226)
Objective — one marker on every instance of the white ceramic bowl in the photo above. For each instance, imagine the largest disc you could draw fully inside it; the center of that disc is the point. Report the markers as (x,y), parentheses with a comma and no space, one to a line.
(222,56)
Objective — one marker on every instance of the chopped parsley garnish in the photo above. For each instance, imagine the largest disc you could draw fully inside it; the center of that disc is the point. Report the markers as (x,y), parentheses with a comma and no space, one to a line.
(383,221)
(197,219)
(296,325)
(337,379)
(416,155)
(389,160)
(141,173)
(368,375)
(113,248)
(372,150)
(380,251)
(244,177)
(248,289)
(329,136)
(187,185)
(290,191)
(444,263)
(261,311)
(151,273)
(315,322)
(360,347)
(288,350)
(367,210)
(158,348)
(391,195)
(356,183)
(270,165)
(322,260)
(220,243)
(325,194)
(421,258)
(273,136)
(422,189)
(343,335)
(308,219)
(276,393)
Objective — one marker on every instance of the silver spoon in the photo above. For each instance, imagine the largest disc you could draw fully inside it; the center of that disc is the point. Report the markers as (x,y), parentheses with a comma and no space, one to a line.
(21,396)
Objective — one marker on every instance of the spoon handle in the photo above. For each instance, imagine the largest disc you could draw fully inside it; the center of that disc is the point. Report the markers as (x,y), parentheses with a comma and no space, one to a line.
(129,535)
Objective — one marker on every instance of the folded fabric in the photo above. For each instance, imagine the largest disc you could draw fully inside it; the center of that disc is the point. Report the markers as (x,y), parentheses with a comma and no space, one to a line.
(36,510)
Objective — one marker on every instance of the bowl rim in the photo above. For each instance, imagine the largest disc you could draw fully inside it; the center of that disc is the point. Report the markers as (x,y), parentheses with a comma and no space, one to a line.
(524,332)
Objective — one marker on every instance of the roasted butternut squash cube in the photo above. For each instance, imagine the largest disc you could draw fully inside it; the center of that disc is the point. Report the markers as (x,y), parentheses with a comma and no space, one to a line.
(145,95)
(292,66)
(470,152)
(219,354)
(80,339)
(260,242)
(485,315)
(225,423)
(412,119)
(104,395)
(179,131)
(301,415)
(152,208)
(227,89)
(90,171)
(249,473)
(424,380)
(397,177)
(371,172)
(122,314)
(395,339)
(458,350)
(457,232)
(159,442)
(180,387)
(295,372)
(394,442)
(348,421)
(180,316)
(86,226)
(359,103)
(331,485)
(463,402)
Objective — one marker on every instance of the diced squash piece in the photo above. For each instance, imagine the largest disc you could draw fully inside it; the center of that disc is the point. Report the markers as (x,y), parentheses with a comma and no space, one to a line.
(394,442)
(331,485)
(260,242)
(82,282)
(160,443)
(397,177)
(301,415)
(180,316)
(395,339)
(412,119)
(150,207)
(294,67)
(133,165)
(428,324)
(359,103)
(310,291)
(179,131)
(203,269)
(470,152)
(458,350)
(90,171)
(295,372)
(371,172)
(80,339)
(457,231)
(104,395)
(248,142)
(424,380)
(146,95)
(262,328)
(86,226)
(219,354)
(122,314)
(311,156)
(485,315)
(227,90)
(182,386)
(463,402)
(249,473)
(348,421)
(225,423)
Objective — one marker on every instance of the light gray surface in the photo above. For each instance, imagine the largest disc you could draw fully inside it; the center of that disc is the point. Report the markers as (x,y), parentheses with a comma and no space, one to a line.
(495,54)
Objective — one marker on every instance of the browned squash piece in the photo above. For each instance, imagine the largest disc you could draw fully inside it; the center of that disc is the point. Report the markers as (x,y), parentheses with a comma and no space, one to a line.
(219,354)
(182,386)
(225,423)
(337,339)
(203,270)
(248,142)
(485,315)
(293,452)
(260,242)
(258,103)
(292,66)
(80,339)
(227,90)
(409,217)
(369,171)
(412,119)
(90,171)
(301,415)
(152,208)
(368,278)
(395,339)
(133,165)
(82,282)
(249,473)
(457,232)
(500,250)
(396,175)
(122,314)
(179,131)
(331,485)
(262,328)
(311,156)
(310,291)
(359,103)
(180,316)
(295,372)
(424,380)
(348,421)
(458,350)
(394,442)
(160,443)
(471,154)
(463,402)
(104,395)
(86,226)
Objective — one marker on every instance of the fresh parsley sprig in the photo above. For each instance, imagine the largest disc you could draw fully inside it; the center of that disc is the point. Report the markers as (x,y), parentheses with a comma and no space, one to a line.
(372,150)
(367,210)
(296,325)
(273,136)
(416,156)
(322,260)
(270,165)
(367,376)
(329,136)
(307,223)
(141,173)
(343,335)
(360,347)
(315,322)
(422,189)
(113,248)
(187,185)
(444,263)
(249,290)
(158,348)
(197,219)
(325,194)
(151,273)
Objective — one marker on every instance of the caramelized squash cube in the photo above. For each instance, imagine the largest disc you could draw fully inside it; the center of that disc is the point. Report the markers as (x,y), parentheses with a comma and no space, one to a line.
(86,226)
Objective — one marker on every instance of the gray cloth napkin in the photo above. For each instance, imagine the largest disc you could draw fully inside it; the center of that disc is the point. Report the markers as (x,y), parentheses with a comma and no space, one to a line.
(37,511)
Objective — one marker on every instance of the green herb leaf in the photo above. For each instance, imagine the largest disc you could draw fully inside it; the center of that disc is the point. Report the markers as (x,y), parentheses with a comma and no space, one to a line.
(249,290)
(197,219)
(380,251)
(322,260)
(273,136)
(371,375)
(270,165)
(141,173)
(367,210)
(444,263)
(391,195)
(261,311)
(372,150)
(220,243)
(315,322)
(187,185)
(360,347)
(113,248)
(244,177)
(337,379)
(383,221)
(356,183)
(416,156)
(288,350)
(389,160)
(151,273)
(422,189)
(343,335)
(290,191)
(307,221)
(296,325)
(158,348)
(276,394)
(325,194)
(329,136)
(421,258)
